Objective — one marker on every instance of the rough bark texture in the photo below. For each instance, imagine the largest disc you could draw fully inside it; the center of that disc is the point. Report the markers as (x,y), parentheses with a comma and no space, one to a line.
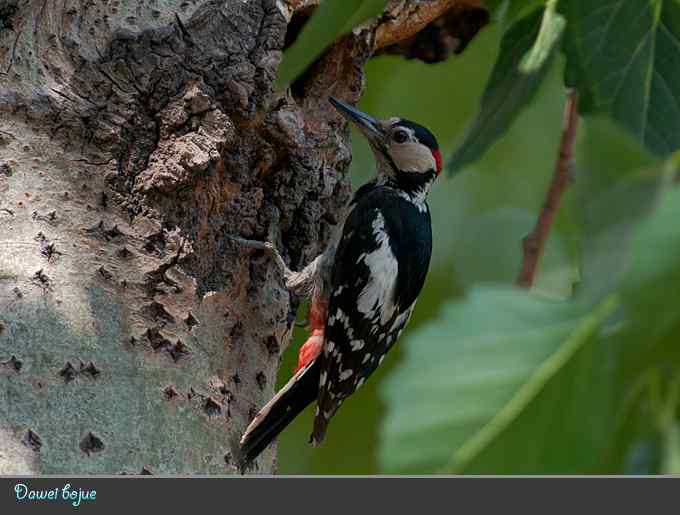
(135,337)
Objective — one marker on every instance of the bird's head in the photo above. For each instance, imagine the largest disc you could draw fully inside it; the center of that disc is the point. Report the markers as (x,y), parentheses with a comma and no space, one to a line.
(404,150)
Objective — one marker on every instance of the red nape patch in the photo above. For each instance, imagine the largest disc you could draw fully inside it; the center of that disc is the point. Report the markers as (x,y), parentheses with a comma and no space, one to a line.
(438,159)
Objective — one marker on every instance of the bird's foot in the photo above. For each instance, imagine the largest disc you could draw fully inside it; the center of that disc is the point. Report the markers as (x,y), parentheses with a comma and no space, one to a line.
(253,244)
(269,248)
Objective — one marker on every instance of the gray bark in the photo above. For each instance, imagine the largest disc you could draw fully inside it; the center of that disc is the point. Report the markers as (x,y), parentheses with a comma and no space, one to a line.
(134,336)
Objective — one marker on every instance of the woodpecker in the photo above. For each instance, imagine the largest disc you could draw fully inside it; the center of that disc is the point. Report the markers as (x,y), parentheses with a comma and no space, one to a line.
(364,287)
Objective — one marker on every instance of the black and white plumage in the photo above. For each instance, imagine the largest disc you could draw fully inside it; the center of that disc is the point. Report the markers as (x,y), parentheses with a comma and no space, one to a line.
(375,270)
(380,268)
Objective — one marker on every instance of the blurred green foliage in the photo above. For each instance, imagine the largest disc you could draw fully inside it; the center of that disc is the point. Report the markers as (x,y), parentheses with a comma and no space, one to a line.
(331,19)
(581,374)
(521,66)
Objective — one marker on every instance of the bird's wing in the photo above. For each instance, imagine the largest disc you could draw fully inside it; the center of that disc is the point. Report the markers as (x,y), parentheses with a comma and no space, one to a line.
(364,317)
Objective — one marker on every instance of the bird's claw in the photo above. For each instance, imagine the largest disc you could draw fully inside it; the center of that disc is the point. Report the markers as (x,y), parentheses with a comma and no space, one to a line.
(254,244)
(267,247)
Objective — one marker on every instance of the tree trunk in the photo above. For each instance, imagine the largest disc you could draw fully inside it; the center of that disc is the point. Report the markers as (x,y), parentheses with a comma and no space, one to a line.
(135,337)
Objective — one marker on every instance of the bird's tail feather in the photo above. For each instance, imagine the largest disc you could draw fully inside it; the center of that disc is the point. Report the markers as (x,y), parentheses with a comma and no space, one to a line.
(289,401)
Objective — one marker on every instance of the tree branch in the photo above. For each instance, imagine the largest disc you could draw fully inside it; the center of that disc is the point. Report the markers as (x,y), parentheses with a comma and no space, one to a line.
(534,243)
(405,19)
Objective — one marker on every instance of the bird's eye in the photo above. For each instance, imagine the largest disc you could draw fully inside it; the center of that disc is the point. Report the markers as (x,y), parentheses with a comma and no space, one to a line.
(400,136)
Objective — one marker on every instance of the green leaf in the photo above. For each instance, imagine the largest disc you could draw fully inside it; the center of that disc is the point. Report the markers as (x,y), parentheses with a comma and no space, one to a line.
(506,12)
(617,185)
(647,330)
(671,462)
(508,90)
(624,58)
(631,448)
(499,364)
(506,383)
(331,19)
(650,292)
(560,420)
(670,427)
(367,10)
(552,26)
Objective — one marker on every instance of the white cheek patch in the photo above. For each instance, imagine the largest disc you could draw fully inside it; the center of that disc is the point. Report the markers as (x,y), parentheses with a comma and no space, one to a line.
(413,157)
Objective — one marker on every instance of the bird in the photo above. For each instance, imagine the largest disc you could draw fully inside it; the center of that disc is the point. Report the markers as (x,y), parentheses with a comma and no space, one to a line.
(364,286)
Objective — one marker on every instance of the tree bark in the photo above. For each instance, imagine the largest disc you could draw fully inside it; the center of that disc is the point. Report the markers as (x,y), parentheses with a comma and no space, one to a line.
(134,336)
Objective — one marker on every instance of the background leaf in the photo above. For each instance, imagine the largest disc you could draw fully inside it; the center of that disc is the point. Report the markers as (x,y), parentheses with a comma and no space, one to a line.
(508,90)
(552,26)
(624,58)
(490,369)
(331,19)
(616,185)
(651,290)
(506,12)
(569,374)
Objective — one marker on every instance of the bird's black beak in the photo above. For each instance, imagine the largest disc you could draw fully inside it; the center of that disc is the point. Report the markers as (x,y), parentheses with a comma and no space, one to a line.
(366,124)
